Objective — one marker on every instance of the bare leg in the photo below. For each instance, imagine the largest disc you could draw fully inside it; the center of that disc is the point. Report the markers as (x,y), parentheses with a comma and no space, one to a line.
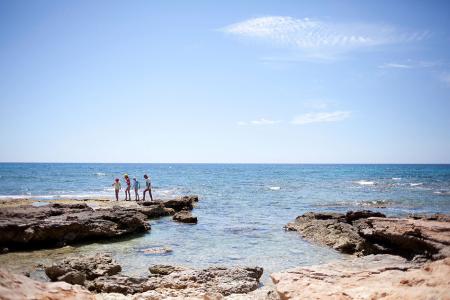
(143,195)
(117,195)
(150,192)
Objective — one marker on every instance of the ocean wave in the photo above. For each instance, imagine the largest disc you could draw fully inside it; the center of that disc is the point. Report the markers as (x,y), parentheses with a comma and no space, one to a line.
(100,174)
(365,182)
(416,184)
(442,193)
(274,188)
(396,178)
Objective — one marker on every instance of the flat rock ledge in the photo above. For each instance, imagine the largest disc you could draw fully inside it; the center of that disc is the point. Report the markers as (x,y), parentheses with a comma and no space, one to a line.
(58,224)
(100,274)
(365,232)
(368,277)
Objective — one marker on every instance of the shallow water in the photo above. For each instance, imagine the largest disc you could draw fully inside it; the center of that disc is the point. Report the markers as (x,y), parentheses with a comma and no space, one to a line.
(242,208)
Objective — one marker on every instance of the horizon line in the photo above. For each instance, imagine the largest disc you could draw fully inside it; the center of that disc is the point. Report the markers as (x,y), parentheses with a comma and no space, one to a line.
(235,163)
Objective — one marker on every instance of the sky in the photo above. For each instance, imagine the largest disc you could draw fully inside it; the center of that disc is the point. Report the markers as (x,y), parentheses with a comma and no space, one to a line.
(225,82)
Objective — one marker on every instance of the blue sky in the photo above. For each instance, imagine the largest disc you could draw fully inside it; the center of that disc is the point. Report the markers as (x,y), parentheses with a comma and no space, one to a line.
(236,81)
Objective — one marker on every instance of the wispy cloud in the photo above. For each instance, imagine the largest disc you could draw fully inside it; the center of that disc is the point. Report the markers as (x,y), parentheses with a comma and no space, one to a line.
(314,35)
(261,121)
(321,117)
(409,65)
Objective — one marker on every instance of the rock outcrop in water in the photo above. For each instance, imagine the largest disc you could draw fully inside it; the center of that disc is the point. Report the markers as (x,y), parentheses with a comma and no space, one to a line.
(185,217)
(58,224)
(101,275)
(368,277)
(367,232)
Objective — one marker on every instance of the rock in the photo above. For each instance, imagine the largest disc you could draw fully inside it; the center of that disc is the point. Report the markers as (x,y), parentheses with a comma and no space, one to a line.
(362,214)
(157,250)
(408,237)
(367,232)
(58,224)
(118,284)
(156,211)
(185,217)
(165,269)
(76,270)
(331,230)
(178,204)
(369,277)
(18,287)
(197,283)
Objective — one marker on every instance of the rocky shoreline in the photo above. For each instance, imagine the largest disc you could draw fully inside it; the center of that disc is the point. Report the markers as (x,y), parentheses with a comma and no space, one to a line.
(59,224)
(389,258)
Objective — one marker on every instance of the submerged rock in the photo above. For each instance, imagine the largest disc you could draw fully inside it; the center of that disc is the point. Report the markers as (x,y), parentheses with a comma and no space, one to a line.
(367,232)
(58,224)
(185,217)
(19,287)
(369,277)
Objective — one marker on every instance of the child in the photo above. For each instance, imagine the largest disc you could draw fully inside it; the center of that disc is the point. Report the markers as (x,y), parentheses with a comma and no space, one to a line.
(148,187)
(136,187)
(127,189)
(117,188)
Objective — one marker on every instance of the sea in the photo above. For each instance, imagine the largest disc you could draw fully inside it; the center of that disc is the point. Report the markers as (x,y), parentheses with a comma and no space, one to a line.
(241,211)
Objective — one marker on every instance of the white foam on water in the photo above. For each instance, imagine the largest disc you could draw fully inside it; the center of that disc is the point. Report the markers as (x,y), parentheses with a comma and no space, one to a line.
(365,182)
(396,178)
(416,184)
(274,188)
(100,174)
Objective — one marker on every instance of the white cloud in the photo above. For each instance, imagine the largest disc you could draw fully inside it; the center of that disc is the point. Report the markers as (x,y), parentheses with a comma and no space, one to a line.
(316,104)
(395,66)
(313,35)
(261,121)
(321,117)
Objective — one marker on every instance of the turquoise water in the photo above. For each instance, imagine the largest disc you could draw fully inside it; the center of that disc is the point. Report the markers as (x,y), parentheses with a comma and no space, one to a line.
(242,208)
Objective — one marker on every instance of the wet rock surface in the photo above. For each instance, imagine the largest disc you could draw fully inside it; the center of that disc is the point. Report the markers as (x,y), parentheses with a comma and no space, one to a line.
(19,287)
(101,276)
(185,217)
(58,224)
(368,277)
(366,232)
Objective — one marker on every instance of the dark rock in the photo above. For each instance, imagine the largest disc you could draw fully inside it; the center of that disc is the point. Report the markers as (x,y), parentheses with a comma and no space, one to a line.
(362,214)
(59,224)
(185,217)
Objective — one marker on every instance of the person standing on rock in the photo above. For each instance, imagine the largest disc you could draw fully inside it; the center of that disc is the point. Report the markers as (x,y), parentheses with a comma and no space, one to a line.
(128,188)
(117,188)
(148,187)
(136,186)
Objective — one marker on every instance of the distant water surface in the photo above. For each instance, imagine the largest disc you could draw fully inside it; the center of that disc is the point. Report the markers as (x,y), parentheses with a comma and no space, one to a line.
(242,208)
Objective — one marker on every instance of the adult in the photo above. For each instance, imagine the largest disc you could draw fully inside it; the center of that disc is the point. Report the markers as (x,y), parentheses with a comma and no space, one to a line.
(128,187)
(148,188)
